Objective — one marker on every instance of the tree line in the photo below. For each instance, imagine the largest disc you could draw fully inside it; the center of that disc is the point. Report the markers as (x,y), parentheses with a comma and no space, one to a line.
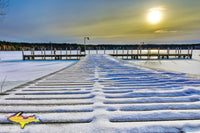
(18,46)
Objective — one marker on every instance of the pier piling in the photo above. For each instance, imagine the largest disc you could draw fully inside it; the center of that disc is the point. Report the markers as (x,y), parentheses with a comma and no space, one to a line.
(123,54)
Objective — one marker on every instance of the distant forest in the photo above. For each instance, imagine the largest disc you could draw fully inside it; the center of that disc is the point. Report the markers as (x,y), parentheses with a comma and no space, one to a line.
(18,46)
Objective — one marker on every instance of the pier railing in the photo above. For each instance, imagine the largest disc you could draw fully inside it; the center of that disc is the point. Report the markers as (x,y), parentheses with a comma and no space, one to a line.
(122,54)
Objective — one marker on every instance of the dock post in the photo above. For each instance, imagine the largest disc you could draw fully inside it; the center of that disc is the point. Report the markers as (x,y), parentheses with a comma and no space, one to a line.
(41,51)
(55,53)
(191,53)
(33,53)
(66,53)
(117,52)
(168,50)
(188,53)
(70,52)
(127,53)
(158,53)
(31,57)
(168,53)
(79,51)
(60,53)
(85,50)
(44,53)
(51,52)
(148,53)
(176,53)
(23,54)
(77,54)
(191,50)
(123,53)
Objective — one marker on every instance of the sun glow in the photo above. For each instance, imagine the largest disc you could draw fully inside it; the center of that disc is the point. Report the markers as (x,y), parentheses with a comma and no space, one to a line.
(155,15)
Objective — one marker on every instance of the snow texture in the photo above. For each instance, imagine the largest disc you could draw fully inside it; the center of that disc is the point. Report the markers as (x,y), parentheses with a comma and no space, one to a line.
(187,66)
(104,94)
(14,71)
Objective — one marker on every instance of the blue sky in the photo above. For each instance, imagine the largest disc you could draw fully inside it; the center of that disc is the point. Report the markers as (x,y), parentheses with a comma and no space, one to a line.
(104,21)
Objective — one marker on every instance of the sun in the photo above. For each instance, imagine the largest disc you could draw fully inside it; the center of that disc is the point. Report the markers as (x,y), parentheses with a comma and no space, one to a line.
(154,17)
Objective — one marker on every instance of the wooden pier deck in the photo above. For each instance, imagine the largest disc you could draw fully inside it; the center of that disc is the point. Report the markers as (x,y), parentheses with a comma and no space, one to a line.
(104,94)
(156,56)
(122,54)
(53,57)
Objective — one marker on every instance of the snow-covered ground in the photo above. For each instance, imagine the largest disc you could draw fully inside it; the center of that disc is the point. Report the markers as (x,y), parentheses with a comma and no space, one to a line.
(14,71)
(113,95)
(104,94)
(191,67)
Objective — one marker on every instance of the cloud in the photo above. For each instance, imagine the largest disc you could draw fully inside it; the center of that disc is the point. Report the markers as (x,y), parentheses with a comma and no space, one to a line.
(101,20)
(165,31)
(159,8)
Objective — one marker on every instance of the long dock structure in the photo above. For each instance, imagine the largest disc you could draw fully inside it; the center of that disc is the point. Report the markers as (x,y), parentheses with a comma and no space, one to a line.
(156,56)
(122,54)
(101,93)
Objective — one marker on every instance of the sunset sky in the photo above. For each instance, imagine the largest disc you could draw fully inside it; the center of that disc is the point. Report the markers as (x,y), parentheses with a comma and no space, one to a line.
(104,21)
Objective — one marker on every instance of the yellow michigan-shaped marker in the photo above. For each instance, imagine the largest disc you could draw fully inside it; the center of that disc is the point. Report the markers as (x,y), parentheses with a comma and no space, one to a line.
(23,120)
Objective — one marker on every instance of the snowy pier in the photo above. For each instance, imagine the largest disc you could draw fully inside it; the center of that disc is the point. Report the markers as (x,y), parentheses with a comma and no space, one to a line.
(101,93)
(122,54)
